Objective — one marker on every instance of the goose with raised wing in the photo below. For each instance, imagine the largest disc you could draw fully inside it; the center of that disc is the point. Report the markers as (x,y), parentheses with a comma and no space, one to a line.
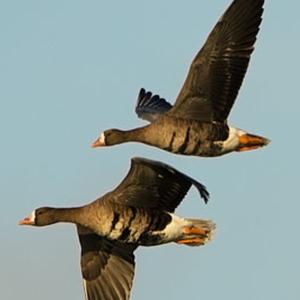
(138,212)
(197,123)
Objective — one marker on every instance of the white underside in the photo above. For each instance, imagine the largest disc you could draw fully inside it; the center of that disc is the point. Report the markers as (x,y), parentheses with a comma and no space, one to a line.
(173,230)
(232,141)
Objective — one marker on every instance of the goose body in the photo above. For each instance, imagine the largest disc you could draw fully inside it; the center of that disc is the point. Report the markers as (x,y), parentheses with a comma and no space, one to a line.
(197,123)
(183,136)
(138,212)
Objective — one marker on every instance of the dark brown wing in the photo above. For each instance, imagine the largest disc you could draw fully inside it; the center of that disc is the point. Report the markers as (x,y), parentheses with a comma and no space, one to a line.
(107,266)
(149,107)
(218,70)
(152,184)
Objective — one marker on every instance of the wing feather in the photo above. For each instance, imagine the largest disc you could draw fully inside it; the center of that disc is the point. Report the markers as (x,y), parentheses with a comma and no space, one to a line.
(152,184)
(107,266)
(218,70)
(149,107)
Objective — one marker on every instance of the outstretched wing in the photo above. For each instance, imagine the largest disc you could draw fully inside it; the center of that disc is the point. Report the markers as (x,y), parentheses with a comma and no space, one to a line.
(149,107)
(107,267)
(217,71)
(152,184)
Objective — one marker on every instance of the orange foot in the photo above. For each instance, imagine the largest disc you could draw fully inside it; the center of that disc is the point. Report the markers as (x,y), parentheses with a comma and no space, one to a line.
(194,230)
(245,148)
(251,142)
(192,242)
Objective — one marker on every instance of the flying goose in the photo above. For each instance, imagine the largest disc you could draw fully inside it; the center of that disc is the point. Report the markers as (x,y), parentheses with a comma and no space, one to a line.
(138,212)
(197,123)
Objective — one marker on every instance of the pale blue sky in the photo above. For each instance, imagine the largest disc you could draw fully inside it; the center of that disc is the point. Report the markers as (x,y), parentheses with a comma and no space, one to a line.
(68,70)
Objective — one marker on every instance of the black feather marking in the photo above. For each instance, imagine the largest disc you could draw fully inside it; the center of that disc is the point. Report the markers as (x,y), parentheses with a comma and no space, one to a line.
(185,142)
(170,147)
(114,221)
(196,148)
(125,234)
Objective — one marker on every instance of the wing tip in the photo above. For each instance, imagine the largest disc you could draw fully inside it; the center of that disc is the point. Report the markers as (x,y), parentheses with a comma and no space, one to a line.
(200,187)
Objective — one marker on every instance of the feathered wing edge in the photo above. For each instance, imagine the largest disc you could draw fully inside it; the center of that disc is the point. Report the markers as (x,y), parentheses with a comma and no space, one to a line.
(107,266)
(149,107)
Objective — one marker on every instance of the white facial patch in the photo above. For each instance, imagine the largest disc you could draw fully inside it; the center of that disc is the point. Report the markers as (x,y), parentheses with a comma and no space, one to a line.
(102,138)
(32,217)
